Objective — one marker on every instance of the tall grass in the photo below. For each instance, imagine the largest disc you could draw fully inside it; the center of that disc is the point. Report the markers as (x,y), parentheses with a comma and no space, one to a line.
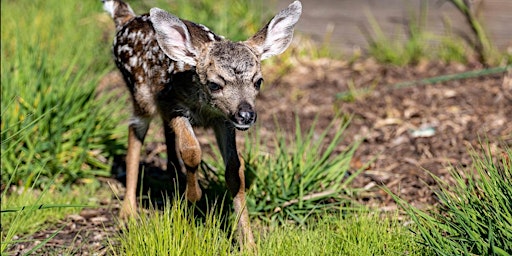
(52,58)
(475,213)
(173,231)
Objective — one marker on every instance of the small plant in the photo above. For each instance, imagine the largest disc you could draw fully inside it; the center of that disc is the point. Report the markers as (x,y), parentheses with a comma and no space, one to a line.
(395,51)
(482,45)
(302,177)
(475,213)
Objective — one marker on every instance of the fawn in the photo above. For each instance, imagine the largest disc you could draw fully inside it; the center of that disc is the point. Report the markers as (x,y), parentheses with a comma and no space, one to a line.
(192,77)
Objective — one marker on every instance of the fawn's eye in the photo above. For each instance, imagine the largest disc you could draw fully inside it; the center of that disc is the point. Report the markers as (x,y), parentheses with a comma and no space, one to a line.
(214,87)
(258,83)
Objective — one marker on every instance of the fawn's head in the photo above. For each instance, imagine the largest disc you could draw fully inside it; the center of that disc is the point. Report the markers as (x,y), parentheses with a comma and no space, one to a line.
(229,73)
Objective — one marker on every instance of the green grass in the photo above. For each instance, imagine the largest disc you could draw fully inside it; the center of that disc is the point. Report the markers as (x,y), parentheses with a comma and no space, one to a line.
(176,231)
(475,213)
(353,233)
(173,231)
(52,120)
(290,183)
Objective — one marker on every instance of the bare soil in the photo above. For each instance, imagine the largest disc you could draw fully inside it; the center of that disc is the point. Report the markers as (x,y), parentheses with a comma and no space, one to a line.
(405,132)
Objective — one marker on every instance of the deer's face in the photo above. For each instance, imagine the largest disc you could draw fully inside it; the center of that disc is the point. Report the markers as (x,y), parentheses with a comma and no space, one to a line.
(229,71)
(231,75)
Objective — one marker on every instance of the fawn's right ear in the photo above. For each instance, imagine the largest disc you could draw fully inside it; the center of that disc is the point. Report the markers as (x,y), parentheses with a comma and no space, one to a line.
(277,35)
(173,37)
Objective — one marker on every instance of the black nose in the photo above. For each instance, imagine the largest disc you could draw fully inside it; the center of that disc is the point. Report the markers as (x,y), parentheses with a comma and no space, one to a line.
(246,114)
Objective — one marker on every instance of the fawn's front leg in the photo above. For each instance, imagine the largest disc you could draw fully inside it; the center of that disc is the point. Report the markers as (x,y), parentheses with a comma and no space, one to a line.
(235,179)
(189,152)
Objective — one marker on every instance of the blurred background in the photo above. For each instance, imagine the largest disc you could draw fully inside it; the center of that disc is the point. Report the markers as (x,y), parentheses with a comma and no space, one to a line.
(345,23)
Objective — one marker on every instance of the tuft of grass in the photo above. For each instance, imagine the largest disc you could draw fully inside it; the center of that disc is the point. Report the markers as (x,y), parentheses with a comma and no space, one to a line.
(483,46)
(303,176)
(173,231)
(52,120)
(475,213)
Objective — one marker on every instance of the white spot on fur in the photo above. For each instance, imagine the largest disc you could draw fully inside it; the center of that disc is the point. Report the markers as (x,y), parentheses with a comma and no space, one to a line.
(180,66)
(211,37)
(134,61)
(171,68)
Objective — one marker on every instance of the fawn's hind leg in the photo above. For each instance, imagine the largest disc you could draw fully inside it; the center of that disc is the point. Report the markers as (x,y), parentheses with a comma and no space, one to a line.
(136,133)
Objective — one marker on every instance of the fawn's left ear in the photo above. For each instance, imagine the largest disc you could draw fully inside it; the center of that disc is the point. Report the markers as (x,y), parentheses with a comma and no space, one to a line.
(276,36)
(173,37)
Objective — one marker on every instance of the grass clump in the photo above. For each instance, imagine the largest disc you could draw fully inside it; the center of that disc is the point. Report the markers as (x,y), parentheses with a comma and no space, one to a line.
(487,52)
(475,213)
(173,231)
(302,177)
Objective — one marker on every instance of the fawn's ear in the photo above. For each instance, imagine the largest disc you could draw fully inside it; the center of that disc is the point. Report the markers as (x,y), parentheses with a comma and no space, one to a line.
(277,35)
(173,37)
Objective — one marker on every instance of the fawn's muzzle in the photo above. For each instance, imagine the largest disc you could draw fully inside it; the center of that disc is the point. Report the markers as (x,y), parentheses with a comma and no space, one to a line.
(244,117)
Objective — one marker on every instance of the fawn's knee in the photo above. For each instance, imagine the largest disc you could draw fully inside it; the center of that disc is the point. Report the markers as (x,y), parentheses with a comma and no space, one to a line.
(191,157)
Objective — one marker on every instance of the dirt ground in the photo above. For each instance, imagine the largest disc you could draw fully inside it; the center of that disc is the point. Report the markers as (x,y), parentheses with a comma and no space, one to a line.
(404,131)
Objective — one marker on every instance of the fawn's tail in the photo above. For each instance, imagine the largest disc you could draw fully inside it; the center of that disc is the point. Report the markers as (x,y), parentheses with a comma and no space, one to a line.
(120,11)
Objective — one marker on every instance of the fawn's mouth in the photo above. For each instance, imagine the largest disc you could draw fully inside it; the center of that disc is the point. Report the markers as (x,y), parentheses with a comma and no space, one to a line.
(242,127)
